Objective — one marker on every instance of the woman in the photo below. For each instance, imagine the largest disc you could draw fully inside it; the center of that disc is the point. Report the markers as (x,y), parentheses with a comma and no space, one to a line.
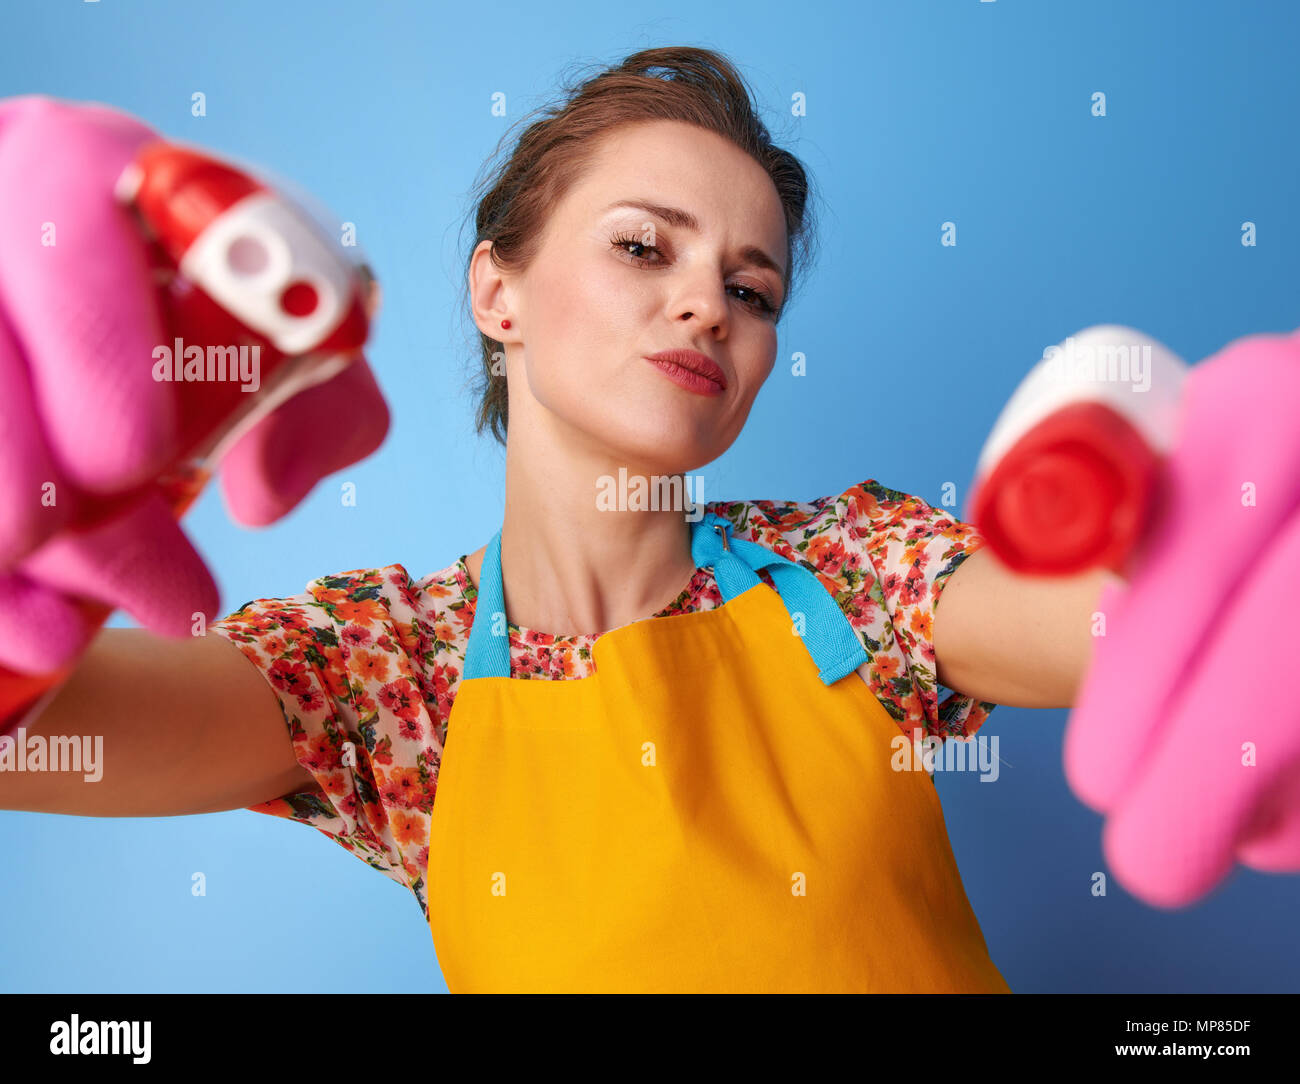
(706,800)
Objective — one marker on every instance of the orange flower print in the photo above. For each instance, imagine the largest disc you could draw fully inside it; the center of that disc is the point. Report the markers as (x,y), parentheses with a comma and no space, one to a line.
(369,666)
(886,667)
(436,589)
(464,616)
(832,585)
(336,681)
(334,782)
(401,787)
(827,554)
(863,505)
(408,827)
(320,755)
(365,610)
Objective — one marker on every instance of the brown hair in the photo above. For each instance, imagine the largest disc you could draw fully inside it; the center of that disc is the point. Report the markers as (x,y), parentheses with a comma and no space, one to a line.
(698,86)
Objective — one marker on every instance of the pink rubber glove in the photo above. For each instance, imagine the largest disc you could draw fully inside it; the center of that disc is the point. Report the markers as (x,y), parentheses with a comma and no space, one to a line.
(1200,645)
(79,319)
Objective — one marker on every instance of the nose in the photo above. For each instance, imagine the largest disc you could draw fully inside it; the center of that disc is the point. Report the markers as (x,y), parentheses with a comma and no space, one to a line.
(701,296)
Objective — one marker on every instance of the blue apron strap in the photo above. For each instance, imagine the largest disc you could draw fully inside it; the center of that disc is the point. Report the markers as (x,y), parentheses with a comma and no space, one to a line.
(828,636)
(487,655)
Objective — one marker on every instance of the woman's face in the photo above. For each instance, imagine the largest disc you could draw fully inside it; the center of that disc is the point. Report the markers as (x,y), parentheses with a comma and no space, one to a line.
(613,282)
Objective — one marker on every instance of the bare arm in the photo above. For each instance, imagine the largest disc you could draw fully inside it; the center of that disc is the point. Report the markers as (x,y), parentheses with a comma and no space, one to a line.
(1023,641)
(188,726)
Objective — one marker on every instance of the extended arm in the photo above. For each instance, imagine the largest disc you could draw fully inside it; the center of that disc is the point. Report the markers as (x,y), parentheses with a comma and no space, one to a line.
(1023,641)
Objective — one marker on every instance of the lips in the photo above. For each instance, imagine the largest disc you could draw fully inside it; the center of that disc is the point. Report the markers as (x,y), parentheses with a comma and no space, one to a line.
(693,360)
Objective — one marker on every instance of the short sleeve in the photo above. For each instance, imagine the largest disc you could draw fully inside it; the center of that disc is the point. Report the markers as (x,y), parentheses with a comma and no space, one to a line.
(912,549)
(344,659)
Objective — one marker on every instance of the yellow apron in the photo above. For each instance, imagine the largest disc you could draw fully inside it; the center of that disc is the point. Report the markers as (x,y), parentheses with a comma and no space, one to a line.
(713,810)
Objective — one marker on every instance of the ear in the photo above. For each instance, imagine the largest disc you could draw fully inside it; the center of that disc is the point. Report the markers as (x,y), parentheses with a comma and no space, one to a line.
(488,293)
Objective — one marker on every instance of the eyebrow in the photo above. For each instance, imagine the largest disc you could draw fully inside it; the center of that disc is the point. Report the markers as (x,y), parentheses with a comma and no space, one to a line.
(675,216)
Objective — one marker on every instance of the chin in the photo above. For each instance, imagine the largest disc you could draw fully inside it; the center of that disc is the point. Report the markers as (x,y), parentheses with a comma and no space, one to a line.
(660,445)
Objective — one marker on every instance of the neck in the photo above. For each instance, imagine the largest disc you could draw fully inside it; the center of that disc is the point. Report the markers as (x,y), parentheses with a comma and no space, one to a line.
(572,566)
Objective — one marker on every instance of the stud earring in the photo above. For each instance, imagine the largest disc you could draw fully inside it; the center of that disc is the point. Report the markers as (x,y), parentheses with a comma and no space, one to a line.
(505,323)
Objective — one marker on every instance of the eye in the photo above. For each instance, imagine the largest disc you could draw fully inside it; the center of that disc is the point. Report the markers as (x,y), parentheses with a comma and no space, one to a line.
(620,242)
(759,300)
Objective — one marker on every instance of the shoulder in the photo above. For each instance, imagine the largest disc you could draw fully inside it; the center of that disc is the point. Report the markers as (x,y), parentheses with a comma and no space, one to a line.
(344,624)
(361,597)
(867,528)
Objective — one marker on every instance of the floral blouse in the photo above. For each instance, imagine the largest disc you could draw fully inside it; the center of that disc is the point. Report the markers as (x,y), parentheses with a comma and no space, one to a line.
(366,663)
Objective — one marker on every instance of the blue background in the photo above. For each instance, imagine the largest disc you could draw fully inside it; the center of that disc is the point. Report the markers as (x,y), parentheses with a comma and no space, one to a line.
(917,113)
